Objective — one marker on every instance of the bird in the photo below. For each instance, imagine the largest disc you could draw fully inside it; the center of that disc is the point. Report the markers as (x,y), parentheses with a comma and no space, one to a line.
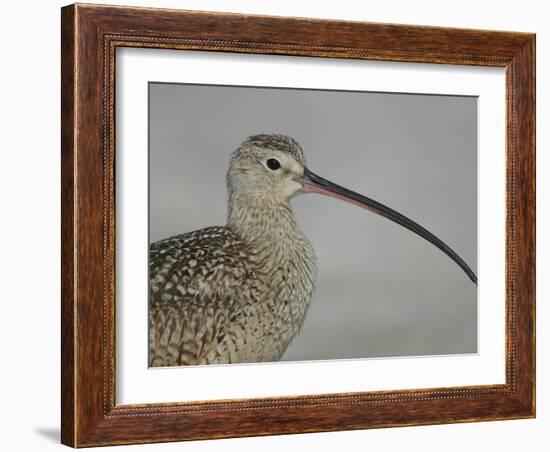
(239,293)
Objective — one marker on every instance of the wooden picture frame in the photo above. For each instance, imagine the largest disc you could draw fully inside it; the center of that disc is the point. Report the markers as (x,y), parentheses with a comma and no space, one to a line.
(90,35)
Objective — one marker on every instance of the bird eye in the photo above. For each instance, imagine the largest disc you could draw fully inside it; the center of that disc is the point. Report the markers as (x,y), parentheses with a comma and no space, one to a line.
(273,164)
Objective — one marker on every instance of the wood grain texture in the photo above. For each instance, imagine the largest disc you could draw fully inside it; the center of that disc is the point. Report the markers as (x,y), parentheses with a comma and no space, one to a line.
(90,36)
(67,225)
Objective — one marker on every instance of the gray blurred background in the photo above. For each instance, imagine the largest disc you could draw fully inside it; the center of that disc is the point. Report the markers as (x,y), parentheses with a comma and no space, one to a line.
(381,290)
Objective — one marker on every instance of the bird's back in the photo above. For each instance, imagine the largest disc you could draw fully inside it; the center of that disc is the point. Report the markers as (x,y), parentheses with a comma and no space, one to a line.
(204,298)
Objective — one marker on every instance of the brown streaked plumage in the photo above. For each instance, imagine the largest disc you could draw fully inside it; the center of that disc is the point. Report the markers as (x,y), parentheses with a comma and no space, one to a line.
(235,293)
(240,292)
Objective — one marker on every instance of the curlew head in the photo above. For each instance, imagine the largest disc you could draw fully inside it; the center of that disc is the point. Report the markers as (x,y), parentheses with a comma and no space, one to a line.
(265,167)
(271,169)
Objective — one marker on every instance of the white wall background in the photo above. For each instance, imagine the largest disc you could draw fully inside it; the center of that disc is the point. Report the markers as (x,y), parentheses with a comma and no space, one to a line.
(29,190)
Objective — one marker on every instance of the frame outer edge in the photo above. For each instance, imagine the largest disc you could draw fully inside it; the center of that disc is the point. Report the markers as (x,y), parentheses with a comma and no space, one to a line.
(68,242)
(534,230)
(525,62)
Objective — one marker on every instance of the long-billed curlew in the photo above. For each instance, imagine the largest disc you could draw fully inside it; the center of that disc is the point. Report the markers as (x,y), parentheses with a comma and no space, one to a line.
(240,292)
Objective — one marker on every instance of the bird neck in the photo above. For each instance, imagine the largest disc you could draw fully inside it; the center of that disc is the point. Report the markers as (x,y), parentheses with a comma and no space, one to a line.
(268,226)
(260,219)
(281,252)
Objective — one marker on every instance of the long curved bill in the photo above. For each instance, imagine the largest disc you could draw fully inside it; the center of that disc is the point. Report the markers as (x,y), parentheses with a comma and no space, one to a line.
(312,183)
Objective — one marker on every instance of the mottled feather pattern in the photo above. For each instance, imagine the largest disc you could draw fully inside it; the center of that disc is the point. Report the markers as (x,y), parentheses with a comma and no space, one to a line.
(215,300)
(200,285)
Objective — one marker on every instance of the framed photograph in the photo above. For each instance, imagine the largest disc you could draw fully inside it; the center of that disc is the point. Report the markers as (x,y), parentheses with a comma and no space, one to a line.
(281,225)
